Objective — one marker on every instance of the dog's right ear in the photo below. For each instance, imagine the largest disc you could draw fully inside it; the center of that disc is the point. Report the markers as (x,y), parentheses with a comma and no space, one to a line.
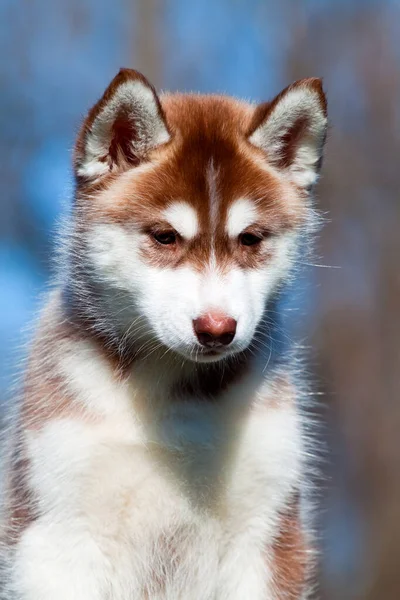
(121,128)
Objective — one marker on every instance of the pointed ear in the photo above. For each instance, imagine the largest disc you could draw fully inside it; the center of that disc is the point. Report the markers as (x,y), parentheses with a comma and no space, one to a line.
(291,130)
(121,128)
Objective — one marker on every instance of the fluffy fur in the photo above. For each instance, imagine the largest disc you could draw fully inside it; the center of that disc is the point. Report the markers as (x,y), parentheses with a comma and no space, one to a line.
(144,464)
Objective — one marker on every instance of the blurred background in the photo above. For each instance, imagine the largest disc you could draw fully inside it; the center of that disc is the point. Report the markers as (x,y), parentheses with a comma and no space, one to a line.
(57,58)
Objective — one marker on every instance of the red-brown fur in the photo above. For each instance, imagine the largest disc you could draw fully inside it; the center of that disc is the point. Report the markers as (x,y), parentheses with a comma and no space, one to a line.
(291,556)
(209,147)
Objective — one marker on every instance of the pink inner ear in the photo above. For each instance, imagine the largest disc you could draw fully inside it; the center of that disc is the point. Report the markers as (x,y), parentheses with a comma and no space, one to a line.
(123,134)
(291,140)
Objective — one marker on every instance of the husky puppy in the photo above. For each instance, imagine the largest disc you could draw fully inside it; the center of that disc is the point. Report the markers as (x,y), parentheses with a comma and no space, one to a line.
(158,452)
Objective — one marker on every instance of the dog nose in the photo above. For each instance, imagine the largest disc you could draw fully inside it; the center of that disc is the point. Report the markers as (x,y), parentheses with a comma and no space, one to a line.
(214,330)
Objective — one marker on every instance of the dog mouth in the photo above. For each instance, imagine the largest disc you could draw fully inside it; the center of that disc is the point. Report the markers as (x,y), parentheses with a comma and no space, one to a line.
(195,352)
(214,351)
(210,354)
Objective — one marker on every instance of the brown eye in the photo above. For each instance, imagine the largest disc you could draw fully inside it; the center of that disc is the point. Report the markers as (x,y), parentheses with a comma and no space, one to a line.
(165,237)
(249,239)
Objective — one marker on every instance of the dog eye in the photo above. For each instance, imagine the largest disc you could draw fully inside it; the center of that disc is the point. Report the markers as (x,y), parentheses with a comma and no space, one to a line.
(165,237)
(249,239)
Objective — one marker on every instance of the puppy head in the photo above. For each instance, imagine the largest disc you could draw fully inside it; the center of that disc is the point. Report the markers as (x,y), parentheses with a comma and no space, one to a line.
(189,210)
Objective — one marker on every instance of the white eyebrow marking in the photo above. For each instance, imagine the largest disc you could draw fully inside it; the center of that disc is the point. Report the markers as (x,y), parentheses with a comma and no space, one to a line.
(183,218)
(241,214)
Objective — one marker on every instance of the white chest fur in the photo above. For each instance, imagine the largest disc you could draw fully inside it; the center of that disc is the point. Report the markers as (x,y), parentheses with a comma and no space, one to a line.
(184,509)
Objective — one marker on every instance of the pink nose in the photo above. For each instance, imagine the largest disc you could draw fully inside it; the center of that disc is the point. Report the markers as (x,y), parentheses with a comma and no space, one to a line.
(214,330)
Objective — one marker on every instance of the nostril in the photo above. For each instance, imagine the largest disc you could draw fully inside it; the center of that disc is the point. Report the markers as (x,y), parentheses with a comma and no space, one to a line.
(226,338)
(214,330)
(205,339)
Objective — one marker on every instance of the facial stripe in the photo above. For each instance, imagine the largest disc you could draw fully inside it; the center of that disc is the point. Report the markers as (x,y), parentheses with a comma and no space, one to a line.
(241,214)
(213,196)
(183,218)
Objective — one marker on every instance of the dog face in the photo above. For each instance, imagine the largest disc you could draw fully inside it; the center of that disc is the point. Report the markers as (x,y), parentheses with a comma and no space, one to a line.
(190,210)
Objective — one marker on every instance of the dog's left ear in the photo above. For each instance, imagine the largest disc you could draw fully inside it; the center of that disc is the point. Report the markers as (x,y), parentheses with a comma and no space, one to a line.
(120,130)
(291,130)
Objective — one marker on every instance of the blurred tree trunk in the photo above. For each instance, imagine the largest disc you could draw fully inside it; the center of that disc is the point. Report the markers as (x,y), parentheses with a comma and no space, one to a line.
(357,341)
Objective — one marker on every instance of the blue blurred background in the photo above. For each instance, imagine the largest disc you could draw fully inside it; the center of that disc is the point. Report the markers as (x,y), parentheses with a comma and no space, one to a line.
(57,58)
